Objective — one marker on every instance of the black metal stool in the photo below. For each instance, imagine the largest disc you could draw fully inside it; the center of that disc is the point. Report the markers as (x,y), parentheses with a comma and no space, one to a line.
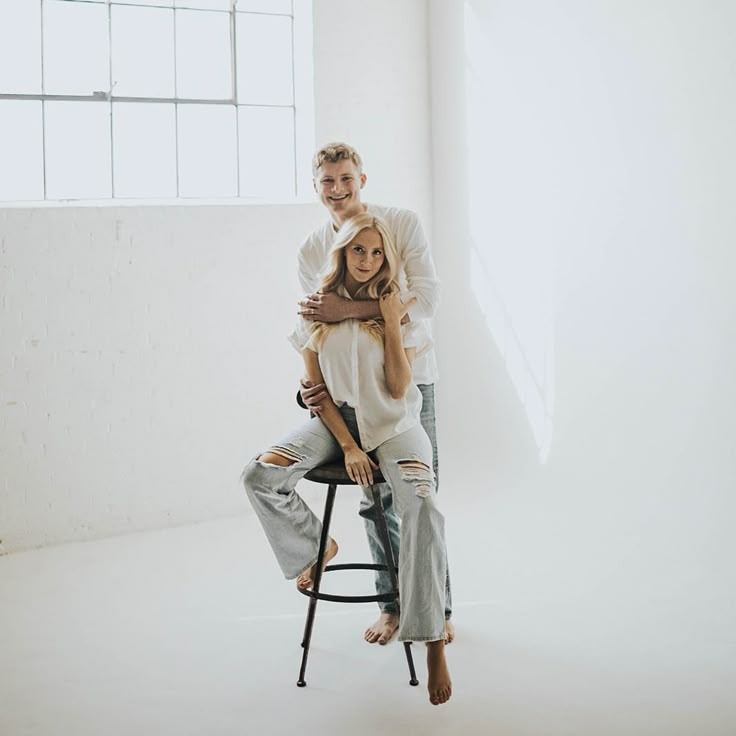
(333,475)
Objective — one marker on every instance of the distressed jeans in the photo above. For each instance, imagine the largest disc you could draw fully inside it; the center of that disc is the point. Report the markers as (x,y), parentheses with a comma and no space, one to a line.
(294,531)
(367,511)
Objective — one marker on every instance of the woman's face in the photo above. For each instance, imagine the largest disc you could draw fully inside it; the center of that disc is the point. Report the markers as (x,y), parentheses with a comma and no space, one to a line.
(364,257)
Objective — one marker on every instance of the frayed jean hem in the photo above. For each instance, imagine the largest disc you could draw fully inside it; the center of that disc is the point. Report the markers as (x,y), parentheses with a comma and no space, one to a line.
(426,639)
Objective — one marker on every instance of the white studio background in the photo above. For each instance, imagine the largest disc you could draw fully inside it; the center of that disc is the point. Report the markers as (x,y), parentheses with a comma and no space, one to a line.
(584,219)
(573,164)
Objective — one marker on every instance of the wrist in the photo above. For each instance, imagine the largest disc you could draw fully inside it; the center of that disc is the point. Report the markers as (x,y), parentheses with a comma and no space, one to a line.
(348,445)
(392,323)
(344,309)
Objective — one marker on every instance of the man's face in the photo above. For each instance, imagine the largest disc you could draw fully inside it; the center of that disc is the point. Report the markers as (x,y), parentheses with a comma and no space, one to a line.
(338,185)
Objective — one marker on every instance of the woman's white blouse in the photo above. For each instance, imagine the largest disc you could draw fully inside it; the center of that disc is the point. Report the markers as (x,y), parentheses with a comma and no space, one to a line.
(352,365)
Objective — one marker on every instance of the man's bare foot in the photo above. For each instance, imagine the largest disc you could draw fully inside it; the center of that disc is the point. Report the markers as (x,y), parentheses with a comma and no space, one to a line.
(383,629)
(438,676)
(449,631)
(304,581)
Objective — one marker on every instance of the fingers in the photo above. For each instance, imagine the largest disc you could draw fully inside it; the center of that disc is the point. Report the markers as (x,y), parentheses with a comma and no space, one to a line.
(366,476)
(310,301)
(315,392)
(360,473)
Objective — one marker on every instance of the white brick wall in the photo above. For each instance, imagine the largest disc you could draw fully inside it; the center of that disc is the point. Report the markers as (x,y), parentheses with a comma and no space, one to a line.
(138,346)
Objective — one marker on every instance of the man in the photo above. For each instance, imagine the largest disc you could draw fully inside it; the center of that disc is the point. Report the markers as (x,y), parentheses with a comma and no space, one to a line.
(338,180)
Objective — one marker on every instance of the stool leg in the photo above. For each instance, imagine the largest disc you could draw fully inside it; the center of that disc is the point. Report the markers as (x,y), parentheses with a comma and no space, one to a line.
(311,611)
(389,557)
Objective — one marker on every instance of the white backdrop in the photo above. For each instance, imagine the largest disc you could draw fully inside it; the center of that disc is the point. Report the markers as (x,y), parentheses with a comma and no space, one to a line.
(583,154)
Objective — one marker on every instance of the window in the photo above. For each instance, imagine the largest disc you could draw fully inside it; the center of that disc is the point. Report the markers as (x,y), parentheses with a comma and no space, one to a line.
(159,99)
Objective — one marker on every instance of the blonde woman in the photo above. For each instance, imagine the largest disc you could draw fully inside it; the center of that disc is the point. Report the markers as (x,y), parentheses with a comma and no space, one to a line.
(373,407)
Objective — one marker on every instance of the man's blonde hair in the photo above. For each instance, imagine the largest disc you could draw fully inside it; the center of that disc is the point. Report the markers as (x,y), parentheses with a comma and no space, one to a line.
(334,152)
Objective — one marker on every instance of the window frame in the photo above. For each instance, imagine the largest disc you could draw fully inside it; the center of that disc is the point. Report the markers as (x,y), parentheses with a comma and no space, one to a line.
(302,109)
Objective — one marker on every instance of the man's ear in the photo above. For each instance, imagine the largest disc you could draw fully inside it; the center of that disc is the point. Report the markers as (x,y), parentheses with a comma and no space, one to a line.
(314,184)
(363,179)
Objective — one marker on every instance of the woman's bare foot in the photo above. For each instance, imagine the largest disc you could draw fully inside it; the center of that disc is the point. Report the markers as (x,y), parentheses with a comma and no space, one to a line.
(449,631)
(383,629)
(438,679)
(304,581)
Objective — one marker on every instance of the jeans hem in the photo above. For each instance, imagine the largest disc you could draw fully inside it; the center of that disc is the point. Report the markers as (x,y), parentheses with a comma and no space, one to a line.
(303,570)
(403,637)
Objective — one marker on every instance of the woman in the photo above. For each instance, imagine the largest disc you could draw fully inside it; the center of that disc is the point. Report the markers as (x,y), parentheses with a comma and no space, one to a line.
(373,407)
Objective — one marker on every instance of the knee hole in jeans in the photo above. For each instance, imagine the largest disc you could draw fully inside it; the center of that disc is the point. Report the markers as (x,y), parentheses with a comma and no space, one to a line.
(419,474)
(280,456)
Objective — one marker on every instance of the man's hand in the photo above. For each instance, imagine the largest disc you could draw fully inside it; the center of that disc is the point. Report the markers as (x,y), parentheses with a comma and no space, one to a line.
(324,308)
(312,394)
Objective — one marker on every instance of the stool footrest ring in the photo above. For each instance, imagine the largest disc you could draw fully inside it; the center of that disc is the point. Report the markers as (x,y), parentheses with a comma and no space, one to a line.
(356,566)
(383,598)
(375,598)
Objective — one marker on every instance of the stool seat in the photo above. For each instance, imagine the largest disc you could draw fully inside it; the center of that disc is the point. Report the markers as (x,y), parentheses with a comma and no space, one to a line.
(336,473)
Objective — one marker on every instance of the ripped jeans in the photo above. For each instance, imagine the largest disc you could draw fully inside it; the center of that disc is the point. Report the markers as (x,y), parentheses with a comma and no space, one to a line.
(294,531)
(367,512)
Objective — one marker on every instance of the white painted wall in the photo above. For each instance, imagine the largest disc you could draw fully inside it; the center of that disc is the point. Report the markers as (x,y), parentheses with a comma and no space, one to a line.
(607,177)
(144,357)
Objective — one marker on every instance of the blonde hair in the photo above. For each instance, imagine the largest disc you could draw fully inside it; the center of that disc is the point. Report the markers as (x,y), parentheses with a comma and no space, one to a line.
(334,152)
(384,282)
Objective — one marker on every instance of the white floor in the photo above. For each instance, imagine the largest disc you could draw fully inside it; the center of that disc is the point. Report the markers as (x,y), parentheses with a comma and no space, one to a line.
(192,631)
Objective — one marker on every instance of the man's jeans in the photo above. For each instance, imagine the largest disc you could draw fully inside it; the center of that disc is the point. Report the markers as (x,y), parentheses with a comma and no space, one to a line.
(383,580)
(294,531)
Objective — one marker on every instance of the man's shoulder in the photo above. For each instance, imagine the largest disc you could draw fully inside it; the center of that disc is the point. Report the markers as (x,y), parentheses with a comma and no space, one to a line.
(316,240)
(394,215)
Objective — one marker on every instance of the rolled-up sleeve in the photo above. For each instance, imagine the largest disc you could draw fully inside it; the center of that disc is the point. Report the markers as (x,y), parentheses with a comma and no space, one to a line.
(421,276)
(416,335)
(301,336)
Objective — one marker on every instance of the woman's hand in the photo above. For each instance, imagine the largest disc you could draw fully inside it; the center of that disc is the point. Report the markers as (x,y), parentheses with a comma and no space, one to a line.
(392,308)
(359,466)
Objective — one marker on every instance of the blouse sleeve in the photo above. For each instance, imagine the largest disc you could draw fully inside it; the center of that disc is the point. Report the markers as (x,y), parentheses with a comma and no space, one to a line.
(416,335)
(301,337)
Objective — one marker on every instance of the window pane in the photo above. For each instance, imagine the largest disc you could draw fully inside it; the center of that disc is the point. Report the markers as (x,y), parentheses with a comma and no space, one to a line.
(143,52)
(265,6)
(203,59)
(266,136)
(144,149)
(20,47)
(76,48)
(264,59)
(78,150)
(204,4)
(21,147)
(207,151)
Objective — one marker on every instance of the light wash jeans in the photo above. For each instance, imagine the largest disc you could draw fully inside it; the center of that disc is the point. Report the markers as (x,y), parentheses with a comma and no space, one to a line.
(383,579)
(294,531)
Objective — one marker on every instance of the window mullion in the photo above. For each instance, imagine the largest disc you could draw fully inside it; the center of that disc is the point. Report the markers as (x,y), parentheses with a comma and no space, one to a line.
(43,110)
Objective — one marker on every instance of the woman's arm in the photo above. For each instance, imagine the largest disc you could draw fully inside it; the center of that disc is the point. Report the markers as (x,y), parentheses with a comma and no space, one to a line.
(358,465)
(397,360)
